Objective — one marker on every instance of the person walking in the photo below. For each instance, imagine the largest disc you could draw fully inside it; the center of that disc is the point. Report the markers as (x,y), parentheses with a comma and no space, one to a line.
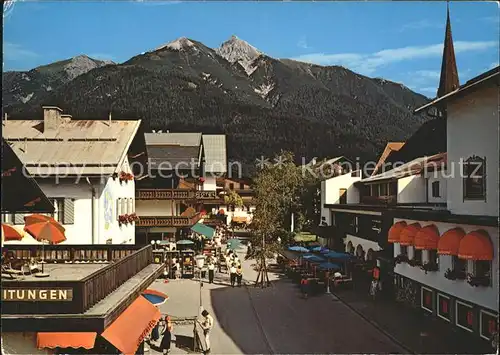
(239,275)
(167,336)
(207,325)
(232,274)
(211,272)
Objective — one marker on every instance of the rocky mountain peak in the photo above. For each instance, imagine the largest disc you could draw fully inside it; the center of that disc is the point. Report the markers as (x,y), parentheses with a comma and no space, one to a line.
(81,64)
(179,44)
(237,50)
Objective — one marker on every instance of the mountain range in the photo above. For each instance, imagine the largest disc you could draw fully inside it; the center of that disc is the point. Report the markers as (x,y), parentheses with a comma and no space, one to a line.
(263,104)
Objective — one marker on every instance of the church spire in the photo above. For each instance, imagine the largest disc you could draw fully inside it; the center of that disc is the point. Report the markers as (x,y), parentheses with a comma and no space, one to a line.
(449,73)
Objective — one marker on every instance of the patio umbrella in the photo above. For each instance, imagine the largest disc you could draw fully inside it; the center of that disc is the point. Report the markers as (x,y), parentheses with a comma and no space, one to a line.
(314,258)
(157,298)
(185,242)
(44,229)
(317,249)
(324,251)
(329,266)
(9,233)
(299,249)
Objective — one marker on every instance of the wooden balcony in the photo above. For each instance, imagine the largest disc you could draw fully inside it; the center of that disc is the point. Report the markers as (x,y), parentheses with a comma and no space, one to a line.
(167,221)
(174,194)
(379,200)
(80,276)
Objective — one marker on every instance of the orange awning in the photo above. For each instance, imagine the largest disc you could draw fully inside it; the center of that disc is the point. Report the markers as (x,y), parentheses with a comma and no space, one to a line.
(395,232)
(128,331)
(450,241)
(407,236)
(427,238)
(66,340)
(239,219)
(476,246)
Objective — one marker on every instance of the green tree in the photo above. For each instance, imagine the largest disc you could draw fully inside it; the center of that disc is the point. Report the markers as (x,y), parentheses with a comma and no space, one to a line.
(232,198)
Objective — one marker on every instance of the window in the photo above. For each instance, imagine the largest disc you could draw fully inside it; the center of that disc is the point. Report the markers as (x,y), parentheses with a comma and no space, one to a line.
(433,257)
(393,188)
(130,205)
(356,224)
(417,254)
(8,218)
(464,316)
(231,186)
(366,190)
(58,214)
(459,265)
(487,324)
(343,196)
(376,225)
(242,186)
(403,249)
(231,208)
(427,299)
(383,189)
(375,191)
(474,170)
(332,218)
(482,268)
(443,310)
(435,189)
(119,207)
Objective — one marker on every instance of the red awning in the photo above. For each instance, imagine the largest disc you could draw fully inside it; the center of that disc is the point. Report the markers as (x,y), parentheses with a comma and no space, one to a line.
(395,232)
(476,246)
(450,241)
(128,331)
(66,340)
(407,236)
(427,238)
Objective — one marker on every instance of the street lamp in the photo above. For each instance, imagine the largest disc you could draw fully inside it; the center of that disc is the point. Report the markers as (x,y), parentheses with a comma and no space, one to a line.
(200,262)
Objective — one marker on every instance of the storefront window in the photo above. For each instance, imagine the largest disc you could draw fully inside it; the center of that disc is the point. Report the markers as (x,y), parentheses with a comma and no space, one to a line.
(417,254)
(433,257)
(459,265)
(444,307)
(482,268)
(403,250)
(427,299)
(465,316)
(488,324)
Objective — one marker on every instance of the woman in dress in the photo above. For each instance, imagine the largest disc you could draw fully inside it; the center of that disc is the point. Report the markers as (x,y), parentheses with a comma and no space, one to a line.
(167,336)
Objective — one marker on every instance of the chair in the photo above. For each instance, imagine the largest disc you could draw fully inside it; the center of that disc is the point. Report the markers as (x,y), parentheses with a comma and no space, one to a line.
(12,273)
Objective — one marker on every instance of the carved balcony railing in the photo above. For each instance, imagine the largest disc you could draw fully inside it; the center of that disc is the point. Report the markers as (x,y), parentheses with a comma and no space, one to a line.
(174,194)
(167,221)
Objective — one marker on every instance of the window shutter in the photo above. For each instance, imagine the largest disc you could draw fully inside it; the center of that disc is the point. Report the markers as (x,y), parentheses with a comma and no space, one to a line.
(119,206)
(18,218)
(130,205)
(68,211)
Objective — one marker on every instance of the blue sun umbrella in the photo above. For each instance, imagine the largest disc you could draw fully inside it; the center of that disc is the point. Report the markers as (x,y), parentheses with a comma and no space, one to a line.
(157,298)
(324,251)
(299,249)
(329,266)
(337,255)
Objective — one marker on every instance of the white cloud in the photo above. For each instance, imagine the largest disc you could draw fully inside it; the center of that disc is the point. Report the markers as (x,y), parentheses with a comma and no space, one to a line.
(13,51)
(368,63)
(418,25)
(302,43)
(428,74)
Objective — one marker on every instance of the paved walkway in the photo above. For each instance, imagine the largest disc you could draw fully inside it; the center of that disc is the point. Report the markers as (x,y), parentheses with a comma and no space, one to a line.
(273,320)
(417,332)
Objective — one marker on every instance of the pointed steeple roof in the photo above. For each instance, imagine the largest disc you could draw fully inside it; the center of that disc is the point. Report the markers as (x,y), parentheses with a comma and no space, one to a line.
(449,73)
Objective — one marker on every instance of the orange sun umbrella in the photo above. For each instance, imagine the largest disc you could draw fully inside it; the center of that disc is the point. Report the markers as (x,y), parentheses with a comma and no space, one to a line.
(44,228)
(9,233)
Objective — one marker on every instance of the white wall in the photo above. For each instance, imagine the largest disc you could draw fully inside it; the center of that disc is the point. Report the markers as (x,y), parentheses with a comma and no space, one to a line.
(330,189)
(483,296)
(442,188)
(366,244)
(472,129)
(412,189)
(209,184)
(238,212)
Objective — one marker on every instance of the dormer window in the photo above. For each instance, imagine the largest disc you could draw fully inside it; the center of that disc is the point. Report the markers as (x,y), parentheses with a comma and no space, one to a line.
(474,174)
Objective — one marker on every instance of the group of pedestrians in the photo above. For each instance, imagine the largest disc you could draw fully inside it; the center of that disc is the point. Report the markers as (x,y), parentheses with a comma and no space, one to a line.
(163,329)
(235,269)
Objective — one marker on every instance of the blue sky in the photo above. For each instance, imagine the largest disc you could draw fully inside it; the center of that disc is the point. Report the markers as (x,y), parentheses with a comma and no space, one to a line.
(399,41)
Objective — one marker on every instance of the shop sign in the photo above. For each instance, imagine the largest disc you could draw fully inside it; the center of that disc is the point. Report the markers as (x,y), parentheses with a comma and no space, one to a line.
(146,331)
(37,294)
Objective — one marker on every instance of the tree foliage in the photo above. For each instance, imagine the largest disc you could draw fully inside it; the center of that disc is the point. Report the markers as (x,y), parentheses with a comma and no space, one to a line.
(232,198)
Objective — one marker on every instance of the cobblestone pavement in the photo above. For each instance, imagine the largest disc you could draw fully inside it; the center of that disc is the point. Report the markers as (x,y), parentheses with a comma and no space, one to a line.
(251,320)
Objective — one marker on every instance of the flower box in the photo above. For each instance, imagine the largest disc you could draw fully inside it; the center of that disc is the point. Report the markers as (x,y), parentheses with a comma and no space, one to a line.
(123,219)
(430,267)
(414,262)
(454,275)
(126,176)
(476,281)
(132,218)
(401,258)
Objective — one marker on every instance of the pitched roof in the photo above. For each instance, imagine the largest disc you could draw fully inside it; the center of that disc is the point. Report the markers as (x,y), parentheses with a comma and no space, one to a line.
(414,167)
(214,146)
(449,73)
(20,192)
(88,147)
(167,157)
(389,148)
(491,77)
(182,139)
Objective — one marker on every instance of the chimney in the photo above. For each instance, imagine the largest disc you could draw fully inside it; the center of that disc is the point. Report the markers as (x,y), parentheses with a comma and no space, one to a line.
(66,118)
(51,118)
